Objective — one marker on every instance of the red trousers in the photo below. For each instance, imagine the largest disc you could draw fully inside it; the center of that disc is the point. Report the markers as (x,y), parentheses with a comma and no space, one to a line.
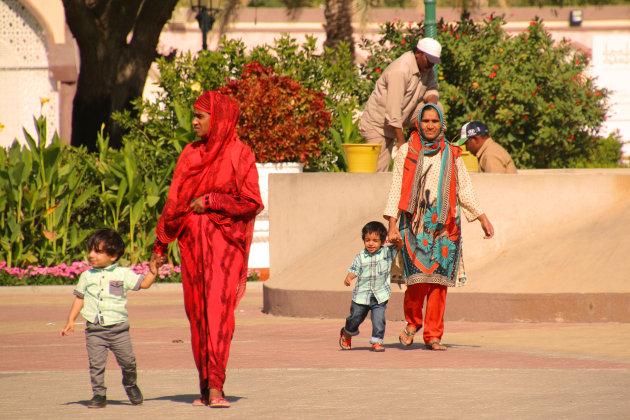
(435,295)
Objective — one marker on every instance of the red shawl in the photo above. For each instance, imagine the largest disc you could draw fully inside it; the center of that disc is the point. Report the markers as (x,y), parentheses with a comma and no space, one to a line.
(217,163)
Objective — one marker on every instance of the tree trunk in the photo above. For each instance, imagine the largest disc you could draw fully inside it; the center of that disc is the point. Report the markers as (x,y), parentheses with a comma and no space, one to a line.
(338,14)
(117,41)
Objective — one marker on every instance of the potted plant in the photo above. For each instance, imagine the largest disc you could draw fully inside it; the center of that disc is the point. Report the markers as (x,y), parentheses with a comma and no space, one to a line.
(285,124)
(358,156)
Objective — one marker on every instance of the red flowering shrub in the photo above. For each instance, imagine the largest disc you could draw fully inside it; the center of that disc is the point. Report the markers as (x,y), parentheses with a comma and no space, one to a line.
(281,120)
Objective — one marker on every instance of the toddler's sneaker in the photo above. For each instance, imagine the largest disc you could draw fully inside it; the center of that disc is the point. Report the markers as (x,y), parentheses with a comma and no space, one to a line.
(97,401)
(378,347)
(134,394)
(345,342)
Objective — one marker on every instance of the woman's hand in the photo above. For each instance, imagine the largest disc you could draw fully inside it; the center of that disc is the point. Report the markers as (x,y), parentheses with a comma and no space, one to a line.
(393,234)
(487,227)
(197,205)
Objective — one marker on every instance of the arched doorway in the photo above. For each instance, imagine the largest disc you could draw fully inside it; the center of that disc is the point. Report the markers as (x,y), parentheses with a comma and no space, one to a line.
(25,81)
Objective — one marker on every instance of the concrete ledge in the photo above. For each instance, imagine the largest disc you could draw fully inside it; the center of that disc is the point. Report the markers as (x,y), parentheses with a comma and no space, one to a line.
(472,307)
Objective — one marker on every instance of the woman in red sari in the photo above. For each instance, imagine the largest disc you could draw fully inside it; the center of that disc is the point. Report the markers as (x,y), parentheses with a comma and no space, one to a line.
(210,210)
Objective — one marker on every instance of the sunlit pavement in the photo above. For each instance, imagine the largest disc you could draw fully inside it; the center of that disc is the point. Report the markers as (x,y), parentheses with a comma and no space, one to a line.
(292,368)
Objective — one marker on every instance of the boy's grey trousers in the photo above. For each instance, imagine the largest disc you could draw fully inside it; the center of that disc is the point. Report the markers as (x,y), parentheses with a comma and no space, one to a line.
(117,339)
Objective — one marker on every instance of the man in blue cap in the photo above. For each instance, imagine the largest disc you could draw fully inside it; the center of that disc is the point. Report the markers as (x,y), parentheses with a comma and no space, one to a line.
(492,157)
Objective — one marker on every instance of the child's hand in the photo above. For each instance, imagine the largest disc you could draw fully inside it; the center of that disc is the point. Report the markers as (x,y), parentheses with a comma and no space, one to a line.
(349,278)
(67,330)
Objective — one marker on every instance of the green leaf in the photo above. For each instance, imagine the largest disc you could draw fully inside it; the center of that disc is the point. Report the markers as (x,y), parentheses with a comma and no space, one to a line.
(137,211)
(78,202)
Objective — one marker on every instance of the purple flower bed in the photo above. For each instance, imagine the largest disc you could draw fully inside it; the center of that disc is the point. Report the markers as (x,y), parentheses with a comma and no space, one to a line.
(69,274)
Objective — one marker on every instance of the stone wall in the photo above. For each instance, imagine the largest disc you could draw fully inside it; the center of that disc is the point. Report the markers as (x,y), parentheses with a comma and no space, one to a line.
(562,233)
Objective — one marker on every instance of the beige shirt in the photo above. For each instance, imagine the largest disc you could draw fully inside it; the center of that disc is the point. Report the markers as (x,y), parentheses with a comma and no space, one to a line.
(397,95)
(494,158)
(431,170)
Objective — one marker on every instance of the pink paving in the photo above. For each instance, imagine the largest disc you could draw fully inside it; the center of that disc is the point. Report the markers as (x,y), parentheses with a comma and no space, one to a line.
(29,324)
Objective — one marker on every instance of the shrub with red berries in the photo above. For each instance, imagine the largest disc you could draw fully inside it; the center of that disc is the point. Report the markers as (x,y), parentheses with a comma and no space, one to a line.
(531,91)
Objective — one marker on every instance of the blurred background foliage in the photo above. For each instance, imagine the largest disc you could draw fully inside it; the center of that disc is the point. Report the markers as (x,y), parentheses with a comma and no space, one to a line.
(534,94)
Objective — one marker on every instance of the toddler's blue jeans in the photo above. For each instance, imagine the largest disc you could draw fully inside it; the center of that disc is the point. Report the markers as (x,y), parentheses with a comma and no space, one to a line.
(358,312)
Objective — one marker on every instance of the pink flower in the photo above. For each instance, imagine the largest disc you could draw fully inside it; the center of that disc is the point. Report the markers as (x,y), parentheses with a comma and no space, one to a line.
(403,42)
(493,74)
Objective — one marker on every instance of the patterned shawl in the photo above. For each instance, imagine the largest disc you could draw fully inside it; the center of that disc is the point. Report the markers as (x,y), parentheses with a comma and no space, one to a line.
(419,146)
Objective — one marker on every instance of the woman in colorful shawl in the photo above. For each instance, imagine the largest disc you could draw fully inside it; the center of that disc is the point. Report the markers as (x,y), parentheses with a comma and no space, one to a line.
(430,183)
(210,210)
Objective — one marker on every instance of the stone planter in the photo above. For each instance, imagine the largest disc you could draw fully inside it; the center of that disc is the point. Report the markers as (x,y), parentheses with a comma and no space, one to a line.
(259,253)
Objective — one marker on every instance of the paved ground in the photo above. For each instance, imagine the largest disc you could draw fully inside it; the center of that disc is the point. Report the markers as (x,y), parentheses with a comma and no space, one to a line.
(292,368)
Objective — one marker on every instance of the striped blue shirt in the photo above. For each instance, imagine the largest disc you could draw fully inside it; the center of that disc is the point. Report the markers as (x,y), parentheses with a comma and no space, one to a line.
(372,271)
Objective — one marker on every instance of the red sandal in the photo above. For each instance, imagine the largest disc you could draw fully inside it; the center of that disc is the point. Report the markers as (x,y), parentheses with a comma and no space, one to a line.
(378,347)
(345,342)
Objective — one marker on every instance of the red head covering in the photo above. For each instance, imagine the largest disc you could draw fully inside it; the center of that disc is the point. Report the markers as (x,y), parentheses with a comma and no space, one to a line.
(204,102)
(217,163)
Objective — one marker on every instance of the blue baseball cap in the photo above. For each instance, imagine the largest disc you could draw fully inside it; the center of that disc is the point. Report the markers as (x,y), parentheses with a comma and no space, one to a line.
(471,129)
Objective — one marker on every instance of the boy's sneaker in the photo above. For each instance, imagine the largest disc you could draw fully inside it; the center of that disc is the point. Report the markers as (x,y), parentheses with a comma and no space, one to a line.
(378,347)
(134,394)
(345,342)
(97,401)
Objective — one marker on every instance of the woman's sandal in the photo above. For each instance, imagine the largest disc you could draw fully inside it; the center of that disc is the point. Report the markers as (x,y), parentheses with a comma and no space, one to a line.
(219,402)
(408,337)
(435,345)
(200,402)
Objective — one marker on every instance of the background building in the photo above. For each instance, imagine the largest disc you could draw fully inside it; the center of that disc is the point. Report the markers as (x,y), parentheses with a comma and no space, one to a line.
(39,58)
